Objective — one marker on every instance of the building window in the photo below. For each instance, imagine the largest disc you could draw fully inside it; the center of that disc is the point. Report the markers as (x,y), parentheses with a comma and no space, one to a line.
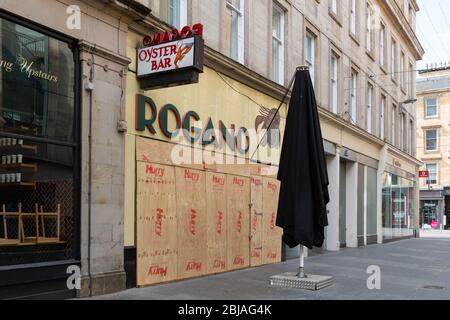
(383,45)
(334,83)
(432,169)
(431,140)
(431,110)
(412,78)
(412,137)
(393,128)
(38,146)
(382,117)
(353,96)
(278,44)
(333,6)
(394,59)
(236,12)
(402,132)
(177,13)
(353,19)
(310,48)
(369,107)
(369,28)
(402,70)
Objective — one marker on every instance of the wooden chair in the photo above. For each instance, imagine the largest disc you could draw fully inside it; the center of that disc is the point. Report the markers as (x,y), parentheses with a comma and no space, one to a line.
(5,240)
(41,234)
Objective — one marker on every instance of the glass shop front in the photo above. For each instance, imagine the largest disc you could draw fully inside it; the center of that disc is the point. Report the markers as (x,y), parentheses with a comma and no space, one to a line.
(397,207)
(38,146)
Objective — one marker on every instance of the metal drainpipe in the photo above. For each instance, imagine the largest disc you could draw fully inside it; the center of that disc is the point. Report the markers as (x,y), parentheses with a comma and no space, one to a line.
(90,88)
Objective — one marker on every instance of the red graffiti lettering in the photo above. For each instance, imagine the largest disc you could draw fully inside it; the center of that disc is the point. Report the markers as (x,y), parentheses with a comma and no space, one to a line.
(157,172)
(188,175)
(218,181)
(194,266)
(193,221)
(239,222)
(219,222)
(159,221)
(238,182)
(156,270)
(272,186)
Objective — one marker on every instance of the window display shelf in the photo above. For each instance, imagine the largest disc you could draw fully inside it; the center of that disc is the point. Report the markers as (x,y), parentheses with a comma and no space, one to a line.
(18,148)
(18,186)
(5,168)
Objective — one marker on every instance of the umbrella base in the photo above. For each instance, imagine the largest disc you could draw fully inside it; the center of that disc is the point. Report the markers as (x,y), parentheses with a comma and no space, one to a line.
(291,280)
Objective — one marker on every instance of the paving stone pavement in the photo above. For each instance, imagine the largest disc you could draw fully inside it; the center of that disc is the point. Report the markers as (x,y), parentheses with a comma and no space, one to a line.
(407,267)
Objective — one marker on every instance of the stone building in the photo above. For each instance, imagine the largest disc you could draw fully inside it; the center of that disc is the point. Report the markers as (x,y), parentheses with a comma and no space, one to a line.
(361,56)
(433,92)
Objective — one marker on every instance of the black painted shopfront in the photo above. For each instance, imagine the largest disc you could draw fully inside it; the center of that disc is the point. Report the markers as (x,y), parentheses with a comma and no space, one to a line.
(39,158)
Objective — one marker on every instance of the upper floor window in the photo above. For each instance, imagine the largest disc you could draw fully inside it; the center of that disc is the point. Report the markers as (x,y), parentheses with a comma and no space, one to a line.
(383,45)
(176,12)
(310,48)
(431,140)
(334,6)
(278,44)
(393,127)
(353,19)
(353,96)
(235,9)
(431,110)
(382,117)
(432,169)
(369,107)
(402,70)
(369,29)
(394,59)
(334,83)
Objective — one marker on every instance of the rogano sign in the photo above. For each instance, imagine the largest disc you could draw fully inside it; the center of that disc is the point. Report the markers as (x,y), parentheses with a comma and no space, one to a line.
(150,117)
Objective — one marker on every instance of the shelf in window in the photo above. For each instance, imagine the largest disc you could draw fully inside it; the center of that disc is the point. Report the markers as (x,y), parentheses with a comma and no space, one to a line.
(18,186)
(19,148)
(19,167)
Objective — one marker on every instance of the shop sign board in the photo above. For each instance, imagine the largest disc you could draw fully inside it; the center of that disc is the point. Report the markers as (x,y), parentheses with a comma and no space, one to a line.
(171,58)
(424,174)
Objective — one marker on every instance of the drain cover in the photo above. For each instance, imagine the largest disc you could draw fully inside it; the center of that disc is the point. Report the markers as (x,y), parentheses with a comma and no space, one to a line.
(434,287)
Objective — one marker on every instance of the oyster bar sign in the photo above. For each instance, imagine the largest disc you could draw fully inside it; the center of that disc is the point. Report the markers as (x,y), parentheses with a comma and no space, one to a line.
(171,58)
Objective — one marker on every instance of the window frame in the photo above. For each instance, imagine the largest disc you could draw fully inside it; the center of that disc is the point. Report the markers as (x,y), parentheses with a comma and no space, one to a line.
(279,78)
(426,131)
(370,38)
(370,107)
(354,77)
(427,106)
(334,82)
(182,13)
(239,56)
(383,45)
(311,64)
(383,104)
(436,173)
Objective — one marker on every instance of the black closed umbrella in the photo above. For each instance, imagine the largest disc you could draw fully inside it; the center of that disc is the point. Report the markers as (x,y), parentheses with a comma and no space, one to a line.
(302,212)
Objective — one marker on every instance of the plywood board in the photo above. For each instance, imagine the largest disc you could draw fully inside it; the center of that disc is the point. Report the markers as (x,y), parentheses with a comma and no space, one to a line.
(238,216)
(216,207)
(191,216)
(155,151)
(271,233)
(156,224)
(256,215)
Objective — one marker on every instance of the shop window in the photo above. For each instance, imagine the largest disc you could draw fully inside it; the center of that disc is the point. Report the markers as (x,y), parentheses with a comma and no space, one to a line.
(431,110)
(235,20)
(431,140)
(37,147)
(397,207)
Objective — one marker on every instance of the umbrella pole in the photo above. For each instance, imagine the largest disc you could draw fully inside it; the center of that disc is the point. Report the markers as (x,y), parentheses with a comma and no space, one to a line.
(301,270)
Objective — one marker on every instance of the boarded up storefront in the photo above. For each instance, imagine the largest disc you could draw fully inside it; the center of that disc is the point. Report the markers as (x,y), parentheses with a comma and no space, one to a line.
(194,222)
